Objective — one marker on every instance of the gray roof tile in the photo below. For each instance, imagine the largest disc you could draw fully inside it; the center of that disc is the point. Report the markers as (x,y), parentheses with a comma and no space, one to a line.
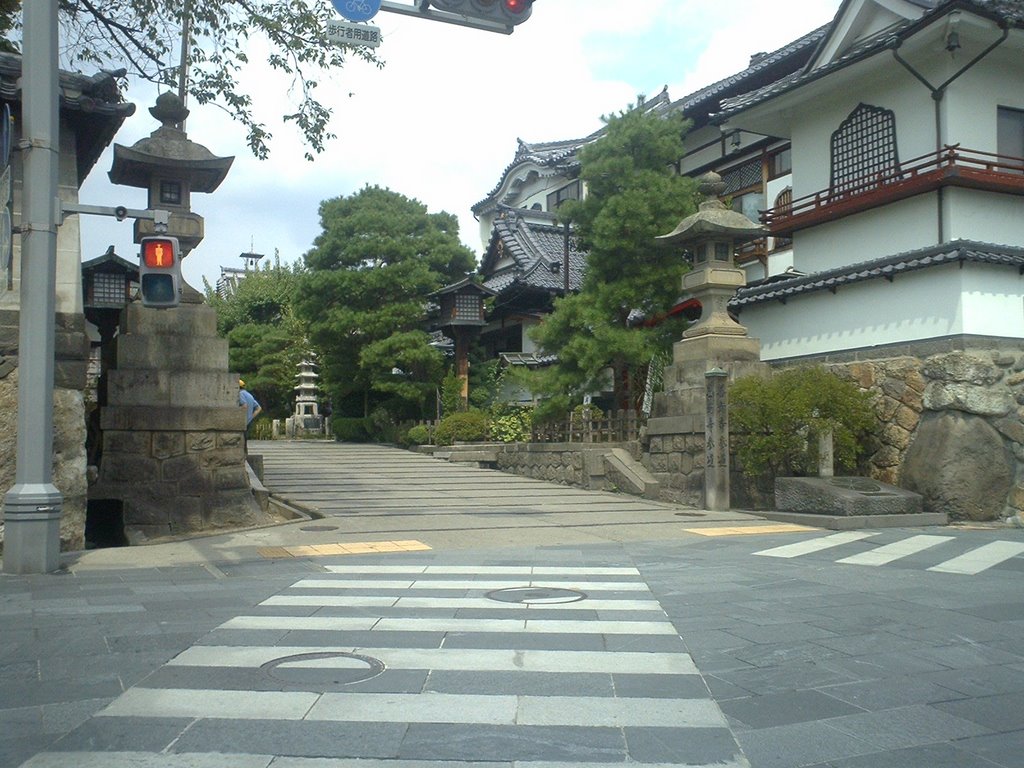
(775,289)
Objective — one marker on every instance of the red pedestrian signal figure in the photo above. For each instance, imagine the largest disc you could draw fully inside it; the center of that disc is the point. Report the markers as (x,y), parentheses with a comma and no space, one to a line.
(160,272)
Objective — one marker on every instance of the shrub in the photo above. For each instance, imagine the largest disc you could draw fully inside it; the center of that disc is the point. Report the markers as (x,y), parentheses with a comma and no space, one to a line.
(466,426)
(351,429)
(511,423)
(775,422)
(418,435)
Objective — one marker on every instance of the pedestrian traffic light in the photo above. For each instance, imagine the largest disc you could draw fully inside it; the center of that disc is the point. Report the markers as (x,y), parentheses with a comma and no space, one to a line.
(160,272)
(509,12)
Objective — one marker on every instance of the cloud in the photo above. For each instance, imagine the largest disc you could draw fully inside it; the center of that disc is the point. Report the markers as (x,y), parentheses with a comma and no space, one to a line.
(440,121)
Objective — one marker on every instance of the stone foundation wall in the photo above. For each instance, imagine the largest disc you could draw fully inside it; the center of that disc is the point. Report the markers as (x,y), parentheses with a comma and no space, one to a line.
(677,461)
(69,457)
(580,464)
(952,427)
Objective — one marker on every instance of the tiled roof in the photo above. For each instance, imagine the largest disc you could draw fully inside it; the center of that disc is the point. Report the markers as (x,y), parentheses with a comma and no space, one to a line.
(536,247)
(1011,11)
(889,267)
(707,98)
(95,101)
(557,154)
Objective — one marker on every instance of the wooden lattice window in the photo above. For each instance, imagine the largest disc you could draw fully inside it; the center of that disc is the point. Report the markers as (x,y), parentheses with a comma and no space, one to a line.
(863,148)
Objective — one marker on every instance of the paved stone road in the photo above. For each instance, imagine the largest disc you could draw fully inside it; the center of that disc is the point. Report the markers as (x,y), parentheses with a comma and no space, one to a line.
(702,639)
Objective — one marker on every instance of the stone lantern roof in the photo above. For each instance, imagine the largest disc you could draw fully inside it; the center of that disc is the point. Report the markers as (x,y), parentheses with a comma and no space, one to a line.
(168,150)
(713,219)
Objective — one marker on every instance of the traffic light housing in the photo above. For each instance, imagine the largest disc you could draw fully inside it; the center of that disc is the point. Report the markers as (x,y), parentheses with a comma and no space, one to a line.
(510,12)
(159,272)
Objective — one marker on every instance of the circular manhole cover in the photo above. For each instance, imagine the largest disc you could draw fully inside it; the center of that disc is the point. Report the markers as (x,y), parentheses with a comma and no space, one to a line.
(323,671)
(537,595)
(319,528)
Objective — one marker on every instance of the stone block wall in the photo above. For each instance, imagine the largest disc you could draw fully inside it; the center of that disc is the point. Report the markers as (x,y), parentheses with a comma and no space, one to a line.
(580,464)
(71,349)
(677,461)
(952,425)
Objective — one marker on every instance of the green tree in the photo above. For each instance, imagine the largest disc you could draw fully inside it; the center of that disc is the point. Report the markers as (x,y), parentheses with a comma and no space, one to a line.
(144,37)
(265,340)
(633,195)
(365,293)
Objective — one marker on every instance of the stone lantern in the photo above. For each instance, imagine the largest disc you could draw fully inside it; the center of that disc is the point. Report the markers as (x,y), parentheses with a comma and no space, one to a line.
(170,167)
(462,315)
(711,236)
(693,410)
(173,459)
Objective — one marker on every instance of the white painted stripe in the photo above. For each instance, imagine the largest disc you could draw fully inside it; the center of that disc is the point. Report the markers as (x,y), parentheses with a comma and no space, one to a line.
(344,623)
(449,659)
(219,760)
(485,570)
(159,760)
(234,705)
(615,586)
(619,712)
(981,559)
(415,708)
(815,545)
(467,709)
(483,603)
(896,550)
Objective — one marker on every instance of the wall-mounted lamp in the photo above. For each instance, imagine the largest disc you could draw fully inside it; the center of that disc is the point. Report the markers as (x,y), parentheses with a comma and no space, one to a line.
(736,140)
(953,34)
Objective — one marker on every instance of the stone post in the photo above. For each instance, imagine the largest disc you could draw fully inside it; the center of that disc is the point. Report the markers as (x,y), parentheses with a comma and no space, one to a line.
(826,454)
(716,442)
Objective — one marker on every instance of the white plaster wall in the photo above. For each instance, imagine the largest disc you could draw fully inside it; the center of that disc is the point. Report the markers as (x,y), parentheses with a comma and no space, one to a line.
(971,101)
(903,226)
(989,217)
(992,301)
(529,345)
(917,306)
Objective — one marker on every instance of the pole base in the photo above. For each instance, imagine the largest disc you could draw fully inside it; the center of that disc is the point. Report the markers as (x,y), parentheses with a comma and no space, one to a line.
(32,529)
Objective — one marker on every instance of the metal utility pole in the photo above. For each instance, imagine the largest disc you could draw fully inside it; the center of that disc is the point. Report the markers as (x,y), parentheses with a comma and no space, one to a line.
(32,507)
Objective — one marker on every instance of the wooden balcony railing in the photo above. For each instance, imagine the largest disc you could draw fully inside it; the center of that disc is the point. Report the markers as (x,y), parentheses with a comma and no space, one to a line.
(952,166)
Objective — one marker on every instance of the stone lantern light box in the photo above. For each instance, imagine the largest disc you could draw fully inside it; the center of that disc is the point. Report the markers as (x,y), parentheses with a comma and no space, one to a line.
(462,303)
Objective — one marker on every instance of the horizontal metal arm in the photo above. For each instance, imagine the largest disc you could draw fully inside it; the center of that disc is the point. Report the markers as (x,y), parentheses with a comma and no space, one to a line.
(159,217)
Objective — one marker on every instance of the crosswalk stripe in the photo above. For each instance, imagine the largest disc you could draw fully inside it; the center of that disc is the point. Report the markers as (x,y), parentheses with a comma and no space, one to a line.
(896,550)
(597,586)
(490,570)
(814,545)
(347,623)
(981,559)
(482,603)
(447,659)
(225,760)
(469,709)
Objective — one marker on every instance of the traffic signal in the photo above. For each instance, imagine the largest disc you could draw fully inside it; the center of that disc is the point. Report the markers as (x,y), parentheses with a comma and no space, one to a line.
(509,12)
(159,272)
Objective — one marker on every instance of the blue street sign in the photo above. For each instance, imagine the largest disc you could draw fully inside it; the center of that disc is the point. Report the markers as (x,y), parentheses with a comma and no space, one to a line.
(357,10)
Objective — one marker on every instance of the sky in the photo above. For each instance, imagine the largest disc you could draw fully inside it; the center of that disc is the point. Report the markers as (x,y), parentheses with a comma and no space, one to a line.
(440,122)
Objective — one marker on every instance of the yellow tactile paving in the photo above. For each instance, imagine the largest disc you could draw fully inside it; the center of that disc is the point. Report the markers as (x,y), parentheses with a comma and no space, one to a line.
(750,530)
(351,548)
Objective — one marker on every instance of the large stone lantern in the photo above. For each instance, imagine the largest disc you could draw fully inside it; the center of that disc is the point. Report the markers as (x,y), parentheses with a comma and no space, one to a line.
(692,412)
(170,167)
(711,236)
(173,459)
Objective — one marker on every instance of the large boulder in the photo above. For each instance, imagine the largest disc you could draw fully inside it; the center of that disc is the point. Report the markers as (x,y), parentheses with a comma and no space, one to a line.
(961,465)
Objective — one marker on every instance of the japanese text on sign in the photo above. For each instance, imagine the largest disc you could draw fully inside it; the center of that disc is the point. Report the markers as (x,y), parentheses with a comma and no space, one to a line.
(343,33)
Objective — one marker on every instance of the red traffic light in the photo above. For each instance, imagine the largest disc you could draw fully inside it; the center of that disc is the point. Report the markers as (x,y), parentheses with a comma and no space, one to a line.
(517,6)
(158,253)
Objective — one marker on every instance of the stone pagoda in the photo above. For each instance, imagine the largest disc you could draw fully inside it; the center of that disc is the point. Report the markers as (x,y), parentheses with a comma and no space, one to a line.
(306,417)
(173,456)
